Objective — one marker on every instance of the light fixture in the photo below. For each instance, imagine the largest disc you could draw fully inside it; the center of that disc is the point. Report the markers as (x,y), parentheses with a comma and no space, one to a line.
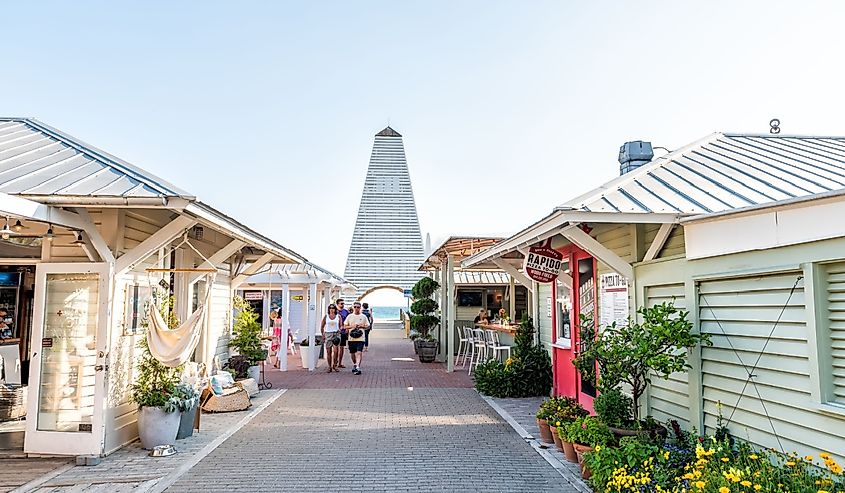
(78,240)
(49,235)
(18,226)
(5,233)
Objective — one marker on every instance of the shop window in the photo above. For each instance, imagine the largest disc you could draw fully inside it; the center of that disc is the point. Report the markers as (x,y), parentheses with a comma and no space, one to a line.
(564,309)
(138,299)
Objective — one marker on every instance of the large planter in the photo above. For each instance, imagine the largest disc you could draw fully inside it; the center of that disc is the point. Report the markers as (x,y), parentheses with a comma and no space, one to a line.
(254,372)
(569,452)
(417,346)
(156,427)
(427,351)
(186,423)
(545,432)
(556,438)
(308,354)
(581,450)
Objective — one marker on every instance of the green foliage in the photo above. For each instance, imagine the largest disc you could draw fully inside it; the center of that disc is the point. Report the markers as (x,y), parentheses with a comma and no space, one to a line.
(632,354)
(424,288)
(632,453)
(238,366)
(562,410)
(156,383)
(614,408)
(588,430)
(585,362)
(185,396)
(246,334)
(527,374)
(423,308)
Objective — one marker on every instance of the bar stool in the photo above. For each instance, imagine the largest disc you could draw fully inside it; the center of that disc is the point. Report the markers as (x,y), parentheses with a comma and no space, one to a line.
(464,340)
(479,349)
(489,338)
(496,347)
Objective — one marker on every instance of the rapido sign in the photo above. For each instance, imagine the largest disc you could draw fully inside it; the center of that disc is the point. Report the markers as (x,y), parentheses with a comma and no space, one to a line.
(543,263)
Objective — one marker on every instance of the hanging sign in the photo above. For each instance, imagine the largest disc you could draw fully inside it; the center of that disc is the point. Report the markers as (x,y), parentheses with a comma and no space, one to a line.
(613,300)
(253,295)
(543,263)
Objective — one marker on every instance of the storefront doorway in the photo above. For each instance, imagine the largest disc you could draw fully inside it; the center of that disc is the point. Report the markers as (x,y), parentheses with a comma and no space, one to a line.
(17,283)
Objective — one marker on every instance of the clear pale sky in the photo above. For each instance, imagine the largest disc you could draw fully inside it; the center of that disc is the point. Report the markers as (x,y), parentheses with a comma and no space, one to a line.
(267,110)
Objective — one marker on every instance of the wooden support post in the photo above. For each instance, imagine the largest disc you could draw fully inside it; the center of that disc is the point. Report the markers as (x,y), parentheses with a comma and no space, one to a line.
(283,343)
(253,268)
(155,241)
(449,308)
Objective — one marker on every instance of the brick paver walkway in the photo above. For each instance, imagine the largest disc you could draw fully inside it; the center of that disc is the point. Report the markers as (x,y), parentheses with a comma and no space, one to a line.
(401,426)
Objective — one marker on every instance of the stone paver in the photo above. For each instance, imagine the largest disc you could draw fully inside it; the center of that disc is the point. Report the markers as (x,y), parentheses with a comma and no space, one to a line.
(15,472)
(524,411)
(317,440)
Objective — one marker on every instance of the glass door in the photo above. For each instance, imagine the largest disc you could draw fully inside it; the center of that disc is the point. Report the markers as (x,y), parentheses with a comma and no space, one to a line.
(65,407)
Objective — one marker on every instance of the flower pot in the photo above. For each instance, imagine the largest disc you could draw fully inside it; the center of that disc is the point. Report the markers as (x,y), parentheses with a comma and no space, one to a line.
(186,423)
(545,433)
(417,346)
(156,427)
(569,452)
(254,372)
(308,354)
(581,450)
(428,351)
(556,438)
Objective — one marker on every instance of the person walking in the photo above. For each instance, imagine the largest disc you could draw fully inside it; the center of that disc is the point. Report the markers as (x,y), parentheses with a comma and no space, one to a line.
(344,333)
(330,328)
(365,310)
(356,322)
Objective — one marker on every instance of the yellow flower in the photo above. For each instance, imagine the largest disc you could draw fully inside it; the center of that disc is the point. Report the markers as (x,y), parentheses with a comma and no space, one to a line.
(757,487)
(745,483)
(822,491)
(824,455)
(725,459)
(753,457)
(808,458)
(724,489)
(557,424)
(598,448)
(790,463)
(836,469)
(666,455)
(700,484)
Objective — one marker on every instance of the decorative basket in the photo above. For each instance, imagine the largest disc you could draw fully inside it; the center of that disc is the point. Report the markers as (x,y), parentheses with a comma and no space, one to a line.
(232,399)
(250,385)
(12,402)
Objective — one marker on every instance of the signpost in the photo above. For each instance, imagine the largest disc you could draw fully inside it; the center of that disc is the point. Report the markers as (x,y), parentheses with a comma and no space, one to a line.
(543,263)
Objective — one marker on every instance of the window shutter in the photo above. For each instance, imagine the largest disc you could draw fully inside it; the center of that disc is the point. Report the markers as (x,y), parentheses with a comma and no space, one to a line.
(836,316)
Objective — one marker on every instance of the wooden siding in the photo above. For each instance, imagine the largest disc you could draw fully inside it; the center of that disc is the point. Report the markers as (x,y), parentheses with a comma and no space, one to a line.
(674,244)
(220,317)
(835,282)
(669,398)
(740,314)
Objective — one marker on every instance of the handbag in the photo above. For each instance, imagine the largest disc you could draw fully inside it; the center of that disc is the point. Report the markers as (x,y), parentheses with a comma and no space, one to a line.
(356,333)
(336,340)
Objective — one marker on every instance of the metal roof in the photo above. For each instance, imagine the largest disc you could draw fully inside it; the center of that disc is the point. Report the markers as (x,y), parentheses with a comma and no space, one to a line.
(458,246)
(481,277)
(38,160)
(722,172)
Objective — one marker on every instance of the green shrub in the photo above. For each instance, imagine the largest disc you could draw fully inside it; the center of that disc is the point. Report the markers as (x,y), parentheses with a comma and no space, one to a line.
(423,308)
(246,335)
(613,408)
(156,383)
(527,374)
(588,431)
(566,411)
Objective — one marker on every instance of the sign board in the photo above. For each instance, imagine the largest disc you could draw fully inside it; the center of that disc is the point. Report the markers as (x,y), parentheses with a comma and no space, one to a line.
(253,295)
(613,300)
(407,293)
(543,263)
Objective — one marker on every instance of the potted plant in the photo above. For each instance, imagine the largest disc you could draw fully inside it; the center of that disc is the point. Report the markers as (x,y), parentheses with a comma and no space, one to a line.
(187,401)
(568,410)
(614,409)
(423,318)
(586,434)
(634,353)
(154,393)
(544,412)
(309,354)
(246,336)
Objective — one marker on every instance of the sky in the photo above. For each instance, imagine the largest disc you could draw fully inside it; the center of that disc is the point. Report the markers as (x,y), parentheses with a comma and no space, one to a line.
(267,110)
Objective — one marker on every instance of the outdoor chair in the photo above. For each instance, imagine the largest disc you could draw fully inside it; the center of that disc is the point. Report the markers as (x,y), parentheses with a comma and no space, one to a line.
(464,342)
(497,346)
(479,349)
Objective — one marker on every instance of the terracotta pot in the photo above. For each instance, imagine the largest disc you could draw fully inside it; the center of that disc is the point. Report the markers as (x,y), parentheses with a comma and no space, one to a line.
(545,433)
(556,438)
(569,452)
(580,450)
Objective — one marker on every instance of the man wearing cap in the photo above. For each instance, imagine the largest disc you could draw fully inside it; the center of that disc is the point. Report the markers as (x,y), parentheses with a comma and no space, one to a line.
(355,323)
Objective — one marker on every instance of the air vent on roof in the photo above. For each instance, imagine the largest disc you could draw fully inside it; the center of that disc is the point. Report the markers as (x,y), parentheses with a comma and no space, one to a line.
(634,154)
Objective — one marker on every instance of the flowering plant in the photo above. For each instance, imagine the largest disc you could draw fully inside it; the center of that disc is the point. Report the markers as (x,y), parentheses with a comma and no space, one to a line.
(587,431)
(565,410)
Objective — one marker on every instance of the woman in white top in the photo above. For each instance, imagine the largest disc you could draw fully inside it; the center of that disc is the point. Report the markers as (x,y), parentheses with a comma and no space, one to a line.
(330,327)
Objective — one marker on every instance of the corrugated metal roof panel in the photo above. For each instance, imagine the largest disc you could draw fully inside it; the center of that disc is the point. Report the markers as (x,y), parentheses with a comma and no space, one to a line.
(39,160)
(724,172)
(481,277)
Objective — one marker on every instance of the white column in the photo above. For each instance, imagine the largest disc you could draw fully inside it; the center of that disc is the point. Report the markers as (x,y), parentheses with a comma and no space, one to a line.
(266,324)
(327,299)
(312,323)
(450,316)
(512,300)
(444,313)
(283,344)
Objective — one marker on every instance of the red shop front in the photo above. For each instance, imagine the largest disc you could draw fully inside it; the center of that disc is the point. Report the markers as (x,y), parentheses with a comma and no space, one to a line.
(571,308)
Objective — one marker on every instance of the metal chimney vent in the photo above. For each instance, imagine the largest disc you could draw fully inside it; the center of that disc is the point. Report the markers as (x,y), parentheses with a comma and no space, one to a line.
(634,154)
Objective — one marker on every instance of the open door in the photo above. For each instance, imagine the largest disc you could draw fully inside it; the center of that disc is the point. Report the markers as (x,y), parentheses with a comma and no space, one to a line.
(67,375)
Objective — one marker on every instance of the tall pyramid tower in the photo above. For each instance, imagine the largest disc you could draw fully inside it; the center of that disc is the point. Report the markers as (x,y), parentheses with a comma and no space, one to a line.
(386,247)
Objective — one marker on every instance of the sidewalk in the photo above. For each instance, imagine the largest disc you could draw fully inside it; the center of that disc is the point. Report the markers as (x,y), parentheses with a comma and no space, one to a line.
(130,469)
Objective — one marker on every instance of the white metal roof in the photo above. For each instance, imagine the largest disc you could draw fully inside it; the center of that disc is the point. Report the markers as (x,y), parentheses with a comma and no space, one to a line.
(721,172)
(38,160)
(481,277)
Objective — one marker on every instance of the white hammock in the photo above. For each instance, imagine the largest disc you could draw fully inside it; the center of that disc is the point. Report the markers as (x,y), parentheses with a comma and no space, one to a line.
(174,347)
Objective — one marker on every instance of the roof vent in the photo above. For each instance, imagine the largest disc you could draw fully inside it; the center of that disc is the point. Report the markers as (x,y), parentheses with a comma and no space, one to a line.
(634,154)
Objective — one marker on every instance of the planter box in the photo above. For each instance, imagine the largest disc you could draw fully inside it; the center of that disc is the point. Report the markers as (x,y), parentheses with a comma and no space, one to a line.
(545,432)
(427,351)
(309,353)
(186,423)
(156,427)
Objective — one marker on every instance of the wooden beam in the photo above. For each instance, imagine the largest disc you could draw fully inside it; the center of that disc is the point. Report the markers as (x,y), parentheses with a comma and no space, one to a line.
(514,273)
(252,269)
(92,235)
(217,257)
(155,241)
(659,241)
(577,236)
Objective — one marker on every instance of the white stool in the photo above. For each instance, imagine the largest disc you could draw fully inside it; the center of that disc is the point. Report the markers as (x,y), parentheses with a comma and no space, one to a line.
(465,339)
(496,347)
(479,349)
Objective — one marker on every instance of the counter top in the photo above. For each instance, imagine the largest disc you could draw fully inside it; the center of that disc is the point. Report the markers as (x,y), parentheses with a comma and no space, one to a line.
(509,328)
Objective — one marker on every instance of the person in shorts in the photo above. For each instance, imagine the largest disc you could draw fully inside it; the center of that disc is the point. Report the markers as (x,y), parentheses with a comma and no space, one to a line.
(344,333)
(330,328)
(365,309)
(356,323)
